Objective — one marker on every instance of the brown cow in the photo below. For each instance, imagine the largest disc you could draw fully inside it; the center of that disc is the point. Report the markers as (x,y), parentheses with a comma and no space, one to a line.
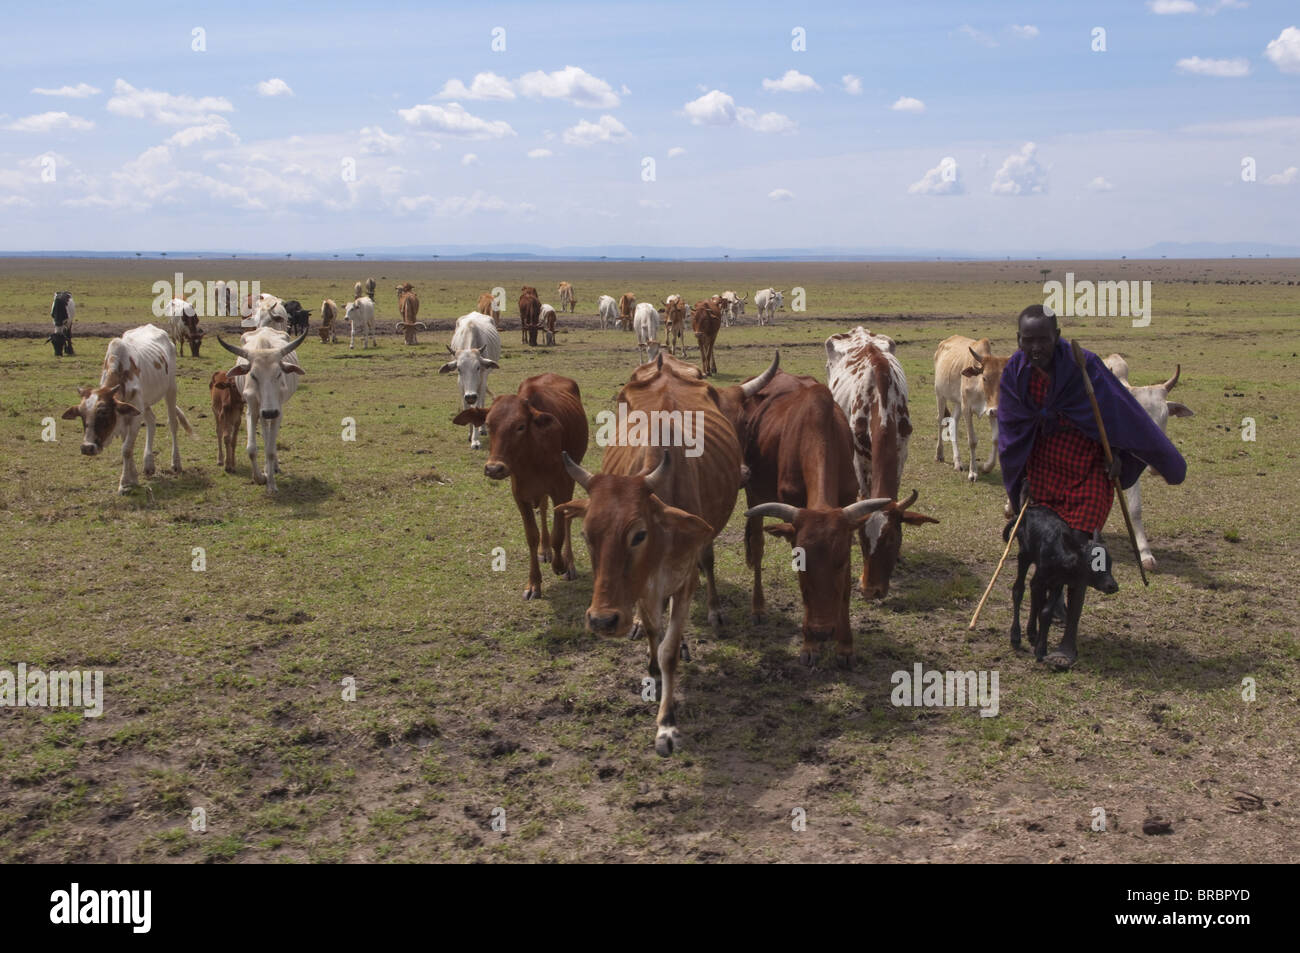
(626,305)
(487,304)
(675,320)
(966,378)
(328,312)
(568,301)
(530,310)
(799,453)
(651,516)
(227,411)
(706,319)
(529,430)
(408,306)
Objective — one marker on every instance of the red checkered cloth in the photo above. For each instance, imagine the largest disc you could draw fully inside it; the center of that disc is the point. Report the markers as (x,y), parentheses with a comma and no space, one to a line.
(1067,469)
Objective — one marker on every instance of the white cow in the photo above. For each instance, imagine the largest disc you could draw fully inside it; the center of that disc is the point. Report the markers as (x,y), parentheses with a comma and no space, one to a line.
(1154,399)
(546,322)
(645,322)
(733,307)
(177,310)
(608,308)
(768,301)
(475,349)
(268,376)
(967,375)
(268,312)
(361,312)
(139,371)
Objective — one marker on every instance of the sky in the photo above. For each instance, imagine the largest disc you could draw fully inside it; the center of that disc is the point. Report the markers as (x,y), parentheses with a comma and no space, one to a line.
(980,127)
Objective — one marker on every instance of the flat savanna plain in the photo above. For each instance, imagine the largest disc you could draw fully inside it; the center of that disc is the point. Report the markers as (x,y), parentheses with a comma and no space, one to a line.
(375,563)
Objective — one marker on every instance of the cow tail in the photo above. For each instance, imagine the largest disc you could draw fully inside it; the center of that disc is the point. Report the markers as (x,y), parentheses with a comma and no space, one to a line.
(185,421)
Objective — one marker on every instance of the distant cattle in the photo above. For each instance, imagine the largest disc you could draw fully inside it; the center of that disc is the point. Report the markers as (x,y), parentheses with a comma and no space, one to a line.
(370,288)
(139,370)
(607,307)
(299,318)
(626,306)
(487,304)
(475,349)
(268,372)
(530,311)
(869,386)
(329,312)
(733,307)
(529,432)
(268,311)
(706,319)
(646,325)
(227,410)
(62,311)
(408,306)
(966,379)
(675,323)
(184,325)
(546,322)
(361,313)
(1154,399)
(568,300)
(357,291)
(767,302)
(226,300)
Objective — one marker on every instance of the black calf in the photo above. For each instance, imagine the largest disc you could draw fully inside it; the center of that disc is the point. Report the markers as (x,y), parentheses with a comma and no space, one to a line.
(1068,561)
(298,317)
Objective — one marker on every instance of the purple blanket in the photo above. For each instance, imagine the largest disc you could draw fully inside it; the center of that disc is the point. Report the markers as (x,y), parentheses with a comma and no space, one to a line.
(1134,436)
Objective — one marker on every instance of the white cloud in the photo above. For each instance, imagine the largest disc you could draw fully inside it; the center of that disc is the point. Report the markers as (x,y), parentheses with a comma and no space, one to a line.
(80,91)
(572,84)
(977,35)
(375,142)
(676,152)
(653,203)
(943,179)
(469,158)
(792,82)
(1285,50)
(273,87)
(1169,7)
(1021,174)
(585,133)
(906,104)
(454,120)
(852,84)
(458,205)
(1289,177)
(540,153)
(716,108)
(50,122)
(780,195)
(1100,184)
(482,86)
(201,133)
(163,107)
(1026,32)
(767,122)
(1222,68)
(625,91)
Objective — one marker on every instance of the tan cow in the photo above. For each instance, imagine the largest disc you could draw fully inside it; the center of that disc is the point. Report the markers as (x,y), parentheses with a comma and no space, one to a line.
(227,411)
(328,312)
(626,307)
(675,322)
(408,306)
(568,301)
(706,319)
(966,377)
(487,304)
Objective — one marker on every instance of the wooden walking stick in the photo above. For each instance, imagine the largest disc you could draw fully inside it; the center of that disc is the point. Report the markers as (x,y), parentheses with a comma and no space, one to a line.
(1105,445)
(989,587)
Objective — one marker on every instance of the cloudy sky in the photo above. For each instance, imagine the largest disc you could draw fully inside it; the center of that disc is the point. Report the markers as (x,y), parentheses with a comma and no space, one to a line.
(975,126)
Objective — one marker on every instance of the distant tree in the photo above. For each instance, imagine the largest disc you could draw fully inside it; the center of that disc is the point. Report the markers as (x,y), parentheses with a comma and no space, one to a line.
(1044,272)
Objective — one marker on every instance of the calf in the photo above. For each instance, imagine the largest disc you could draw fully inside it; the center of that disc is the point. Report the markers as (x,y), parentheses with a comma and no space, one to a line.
(227,409)
(568,300)
(626,305)
(268,371)
(328,312)
(646,325)
(966,377)
(361,312)
(298,318)
(1154,399)
(1067,559)
(487,304)
(529,431)
(139,371)
(706,319)
(475,349)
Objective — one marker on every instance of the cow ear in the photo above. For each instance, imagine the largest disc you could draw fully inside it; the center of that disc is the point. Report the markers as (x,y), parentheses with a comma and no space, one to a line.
(125,408)
(488,362)
(83,392)
(474,415)
(1178,410)
(541,419)
(686,528)
(782,531)
(236,371)
(975,371)
(72,413)
(574,509)
(916,519)
(291,368)
(447,368)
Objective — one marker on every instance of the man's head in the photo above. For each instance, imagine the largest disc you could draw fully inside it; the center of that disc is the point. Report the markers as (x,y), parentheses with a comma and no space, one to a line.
(1037,334)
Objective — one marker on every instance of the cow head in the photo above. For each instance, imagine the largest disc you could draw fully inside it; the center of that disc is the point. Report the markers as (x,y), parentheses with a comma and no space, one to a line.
(631,534)
(520,435)
(471,369)
(884,538)
(1099,567)
(266,370)
(103,411)
(826,539)
(989,371)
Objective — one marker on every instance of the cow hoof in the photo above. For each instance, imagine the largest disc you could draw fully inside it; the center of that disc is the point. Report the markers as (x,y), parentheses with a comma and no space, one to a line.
(715,618)
(1015,637)
(125,488)
(570,574)
(474,445)
(756,618)
(684,653)
(546,556)
(667,741)
(1149,563)
(532,592)
(149,468)
(971,476)
(808,659)
(1060,661)
(845,661)
(637,632)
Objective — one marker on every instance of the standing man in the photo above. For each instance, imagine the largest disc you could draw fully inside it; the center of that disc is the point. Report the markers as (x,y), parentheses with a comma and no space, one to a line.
(63,311)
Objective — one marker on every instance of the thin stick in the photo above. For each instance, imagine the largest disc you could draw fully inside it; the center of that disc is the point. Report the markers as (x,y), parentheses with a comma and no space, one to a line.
(989,588)
(1105,445)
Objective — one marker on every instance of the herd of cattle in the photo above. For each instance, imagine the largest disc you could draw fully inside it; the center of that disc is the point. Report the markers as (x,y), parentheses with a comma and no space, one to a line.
(825,460)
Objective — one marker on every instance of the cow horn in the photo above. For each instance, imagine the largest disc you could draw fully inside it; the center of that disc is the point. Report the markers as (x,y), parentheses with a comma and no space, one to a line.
(580,475)
(979,361)
(659,475)
(292,345)
(238,351)
(758,383)
(1169,384)
(863,507)
(909,501)
(782,511)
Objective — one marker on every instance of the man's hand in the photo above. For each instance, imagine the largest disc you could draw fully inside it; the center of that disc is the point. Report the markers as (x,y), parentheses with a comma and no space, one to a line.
(1114,469)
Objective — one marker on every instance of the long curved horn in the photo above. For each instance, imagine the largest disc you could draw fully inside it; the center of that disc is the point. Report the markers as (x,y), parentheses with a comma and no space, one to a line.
(979,361)
(1169,384)
(863,507)
(659,475)
(908,502)
(292,345)
(576,470)
(238,351)
(782,511)
(758,383)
